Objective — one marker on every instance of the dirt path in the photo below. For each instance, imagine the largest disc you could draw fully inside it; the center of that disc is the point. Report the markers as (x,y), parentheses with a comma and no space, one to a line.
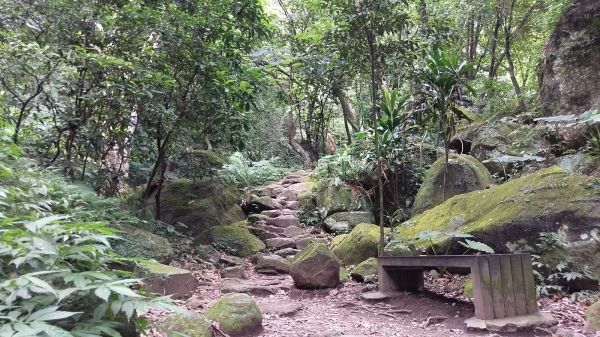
(339,312)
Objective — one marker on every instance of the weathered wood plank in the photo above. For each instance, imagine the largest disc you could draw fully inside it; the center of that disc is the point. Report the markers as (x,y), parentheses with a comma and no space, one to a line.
(482,291)
(383,279)
(497,288)
(529,282)
(518,285)
(464,261)
(508,291)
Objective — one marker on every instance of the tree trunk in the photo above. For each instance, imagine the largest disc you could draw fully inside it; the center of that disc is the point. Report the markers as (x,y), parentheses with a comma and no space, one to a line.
(347,110)
(494,46)
(291,133)
(511,67)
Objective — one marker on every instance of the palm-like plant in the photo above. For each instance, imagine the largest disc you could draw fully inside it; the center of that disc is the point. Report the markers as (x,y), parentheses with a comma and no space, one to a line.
(444,81)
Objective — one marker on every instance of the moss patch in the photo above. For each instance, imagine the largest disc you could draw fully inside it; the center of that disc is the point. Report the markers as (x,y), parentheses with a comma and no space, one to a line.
(592,319)
(365,271)
(189,325)
(234,240)
(137,242)
(464,174)
(237,314)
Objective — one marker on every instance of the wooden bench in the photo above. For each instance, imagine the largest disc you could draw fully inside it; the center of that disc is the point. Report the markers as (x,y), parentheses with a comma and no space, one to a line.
(503,284)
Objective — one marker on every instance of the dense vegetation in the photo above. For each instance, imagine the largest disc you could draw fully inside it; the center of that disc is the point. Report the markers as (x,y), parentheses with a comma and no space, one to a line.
(104,103)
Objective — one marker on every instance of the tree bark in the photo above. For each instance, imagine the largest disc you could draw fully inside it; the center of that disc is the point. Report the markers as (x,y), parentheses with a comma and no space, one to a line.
(347,109)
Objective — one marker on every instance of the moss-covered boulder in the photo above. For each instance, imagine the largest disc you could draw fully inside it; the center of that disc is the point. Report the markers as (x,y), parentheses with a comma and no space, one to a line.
(344,275)
(592,317)
(361,244)
(580,163)
(166,280)
(337,240)
(186,325)
(329,197)
(344,222)
(468,288)
(551,200)
(136,242)
(464,174)
(315,267)
(365,271)
(200,206)
(398,248)
(237,314)
(234,240)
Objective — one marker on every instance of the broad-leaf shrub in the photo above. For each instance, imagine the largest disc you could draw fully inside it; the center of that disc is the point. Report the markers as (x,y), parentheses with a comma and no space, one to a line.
(55,254)
(244,173)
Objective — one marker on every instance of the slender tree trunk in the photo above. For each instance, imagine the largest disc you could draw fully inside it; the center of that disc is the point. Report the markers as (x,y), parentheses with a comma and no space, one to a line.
(509,59)
(347,110)
(494,46)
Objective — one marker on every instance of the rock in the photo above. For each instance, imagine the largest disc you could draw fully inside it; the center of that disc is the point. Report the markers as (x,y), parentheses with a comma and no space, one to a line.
(280,243)
(328,197)
(468,289)
(359,245)
(272,262)
(262,233)
(234,285)
(513,324)
(237,314)
(293,205)
(287,252)
(337,240)
(366,270)
(293,231)
(344,222)
(233,272)
(194,302)
(253,218)
(200,206)
(137,242)
(229,260)
(190,324)
(232,239)
(550,200)
(592,317)
(303,241)
(398,248)
(377,296)
(264,203)
(208,253)
(283,221)
(464,174)
(166,280)
(344,275)
(271,213)
(569,78)
(281,309)
(580,163)
(315,267)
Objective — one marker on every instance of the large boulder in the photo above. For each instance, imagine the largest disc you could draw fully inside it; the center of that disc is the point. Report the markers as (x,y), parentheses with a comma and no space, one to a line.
(570,81)
(344,222)
(550,200)
(237,314)
(234,240)
(464,174)
(200,206)
(136,242)
(275,263)
(361,244)
(166,280)
(190,324)
(580,163)
(365,271)
(315,267)
(329,197)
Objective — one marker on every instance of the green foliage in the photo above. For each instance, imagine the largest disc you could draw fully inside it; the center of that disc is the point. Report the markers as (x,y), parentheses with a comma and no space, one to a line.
(244,173)
(449,237)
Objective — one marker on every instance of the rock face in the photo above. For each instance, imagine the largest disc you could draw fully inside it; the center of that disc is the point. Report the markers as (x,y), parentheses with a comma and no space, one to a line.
(237,314)
(234,240)
(366,271)
(592,319)
(200,206)
(344,222)
(137,242)
(167,280)
(359,245)
(570,81)
(329,198)
(465,174)
(550,200)
(315,267)
(188,325)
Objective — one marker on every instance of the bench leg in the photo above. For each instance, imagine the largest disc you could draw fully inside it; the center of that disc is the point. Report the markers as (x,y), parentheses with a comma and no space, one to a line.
(397,279)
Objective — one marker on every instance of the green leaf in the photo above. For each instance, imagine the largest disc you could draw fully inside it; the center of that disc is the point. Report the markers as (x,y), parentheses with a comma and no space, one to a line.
(123,291)
(103,293)
(478,246)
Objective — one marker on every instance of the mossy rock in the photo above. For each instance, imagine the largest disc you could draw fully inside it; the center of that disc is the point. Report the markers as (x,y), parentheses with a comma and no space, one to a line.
(464,174)
(329,197)
(166,280)
(365,271)
(361,244)
(237,314)
(399,248)
(200,206)
(137,242)
(343,222)
(337,240)
(234,240)
(592,317)
(344,275)
(550,200)
(468,288)
(580,163)
(190,324)
(315,267)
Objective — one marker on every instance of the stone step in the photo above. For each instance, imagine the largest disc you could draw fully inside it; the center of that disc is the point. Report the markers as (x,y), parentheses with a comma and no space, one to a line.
(292,205)
(272,262)
(302,242)
(285,252)
(283,221)
(294,231)
(271,213)
(280,243)
(270,229)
